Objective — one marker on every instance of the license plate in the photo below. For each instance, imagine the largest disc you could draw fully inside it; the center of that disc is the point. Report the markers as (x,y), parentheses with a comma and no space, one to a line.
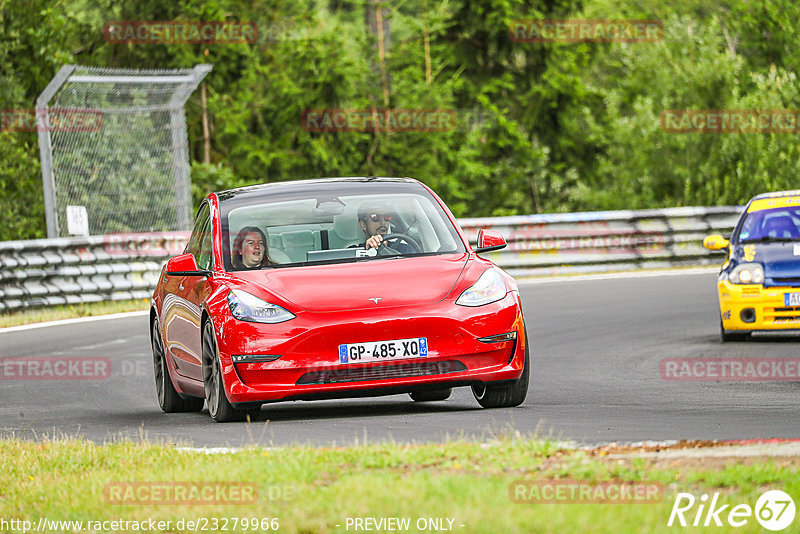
(393,349)
(791,299)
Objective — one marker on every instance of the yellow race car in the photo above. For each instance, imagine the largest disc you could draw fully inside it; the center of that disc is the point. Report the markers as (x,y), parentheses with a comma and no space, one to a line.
(759,284)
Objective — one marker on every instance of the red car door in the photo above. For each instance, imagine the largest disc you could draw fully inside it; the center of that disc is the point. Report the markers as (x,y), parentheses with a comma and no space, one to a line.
(183,309)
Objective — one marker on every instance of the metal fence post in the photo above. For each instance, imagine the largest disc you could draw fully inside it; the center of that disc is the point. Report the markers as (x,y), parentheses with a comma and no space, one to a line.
(45,148)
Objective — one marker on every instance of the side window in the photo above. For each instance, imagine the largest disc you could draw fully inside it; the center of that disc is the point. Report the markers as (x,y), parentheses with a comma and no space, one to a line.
(193,245)
(203,255)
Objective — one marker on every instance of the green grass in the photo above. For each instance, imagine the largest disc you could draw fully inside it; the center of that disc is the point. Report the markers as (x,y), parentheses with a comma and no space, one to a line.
(313,489)
(71,311)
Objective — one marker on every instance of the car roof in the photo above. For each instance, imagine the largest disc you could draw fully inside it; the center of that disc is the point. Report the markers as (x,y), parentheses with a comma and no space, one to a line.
(294,185)
(778,199)
(777,194)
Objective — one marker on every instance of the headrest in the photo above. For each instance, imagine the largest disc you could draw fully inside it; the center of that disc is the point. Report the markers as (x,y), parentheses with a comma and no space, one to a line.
(346,226)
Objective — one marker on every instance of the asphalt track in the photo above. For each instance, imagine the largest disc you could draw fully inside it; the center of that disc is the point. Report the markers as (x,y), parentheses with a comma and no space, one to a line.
(596,349)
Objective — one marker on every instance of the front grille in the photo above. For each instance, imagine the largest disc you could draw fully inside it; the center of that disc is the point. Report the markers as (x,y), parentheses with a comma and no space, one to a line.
(786,320)
(381,372)
(782,315)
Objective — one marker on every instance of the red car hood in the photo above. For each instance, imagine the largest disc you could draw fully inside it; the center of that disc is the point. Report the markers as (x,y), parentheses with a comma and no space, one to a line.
(347,286)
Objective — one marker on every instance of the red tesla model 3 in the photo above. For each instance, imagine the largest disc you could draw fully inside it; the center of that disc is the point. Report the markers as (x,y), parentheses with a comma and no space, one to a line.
(332,288)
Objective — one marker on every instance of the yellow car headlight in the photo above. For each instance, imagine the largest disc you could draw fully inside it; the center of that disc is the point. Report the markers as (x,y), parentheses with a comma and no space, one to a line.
(747,273)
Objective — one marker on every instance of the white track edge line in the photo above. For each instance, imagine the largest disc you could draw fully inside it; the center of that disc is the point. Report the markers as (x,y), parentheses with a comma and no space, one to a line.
(63,322)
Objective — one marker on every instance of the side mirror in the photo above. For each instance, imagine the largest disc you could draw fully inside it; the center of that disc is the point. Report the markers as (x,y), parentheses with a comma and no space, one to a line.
(184,265)
(489,240)
(715,242)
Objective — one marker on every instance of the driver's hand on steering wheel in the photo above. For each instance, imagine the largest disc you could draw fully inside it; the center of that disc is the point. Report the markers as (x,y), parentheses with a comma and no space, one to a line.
(374,242)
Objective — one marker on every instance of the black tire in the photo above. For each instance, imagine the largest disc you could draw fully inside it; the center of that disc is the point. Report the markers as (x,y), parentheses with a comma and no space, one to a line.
(219,408)
(168,398)
(431,396)
(724,337)
(506,395)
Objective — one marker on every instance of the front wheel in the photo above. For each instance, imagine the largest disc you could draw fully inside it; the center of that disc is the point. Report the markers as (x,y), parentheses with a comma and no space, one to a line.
(505,396)
(168,398)
(219,408)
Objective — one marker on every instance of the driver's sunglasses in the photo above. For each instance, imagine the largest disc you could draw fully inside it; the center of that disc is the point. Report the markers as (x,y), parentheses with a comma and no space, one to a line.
(375,217)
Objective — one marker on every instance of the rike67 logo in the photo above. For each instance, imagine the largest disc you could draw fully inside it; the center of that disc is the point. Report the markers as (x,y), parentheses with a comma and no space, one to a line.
(774,510)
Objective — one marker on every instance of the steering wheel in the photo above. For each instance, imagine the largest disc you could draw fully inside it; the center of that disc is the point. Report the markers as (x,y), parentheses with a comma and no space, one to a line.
(403,237)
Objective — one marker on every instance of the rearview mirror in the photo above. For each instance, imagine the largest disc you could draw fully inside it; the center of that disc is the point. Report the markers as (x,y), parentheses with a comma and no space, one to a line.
(489,240)
(715,242)
(328,208)
(184,265)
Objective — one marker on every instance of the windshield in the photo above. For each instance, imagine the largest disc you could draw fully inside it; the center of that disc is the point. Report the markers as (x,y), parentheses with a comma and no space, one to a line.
(776,224)
(330,223)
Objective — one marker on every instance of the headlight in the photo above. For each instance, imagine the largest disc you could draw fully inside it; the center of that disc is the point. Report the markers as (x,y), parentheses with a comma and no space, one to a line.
(247,307)
(490,287)
(747,273)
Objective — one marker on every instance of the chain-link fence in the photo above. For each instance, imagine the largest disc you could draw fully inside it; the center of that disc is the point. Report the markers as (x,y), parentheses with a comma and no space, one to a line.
(114,150)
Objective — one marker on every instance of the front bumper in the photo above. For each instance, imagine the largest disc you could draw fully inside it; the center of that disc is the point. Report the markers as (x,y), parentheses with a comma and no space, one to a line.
(738,302)
(309,368)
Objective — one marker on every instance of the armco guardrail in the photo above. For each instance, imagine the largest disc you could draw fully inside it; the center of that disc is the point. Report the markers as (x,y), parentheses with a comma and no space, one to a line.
(605,240)
(48,272)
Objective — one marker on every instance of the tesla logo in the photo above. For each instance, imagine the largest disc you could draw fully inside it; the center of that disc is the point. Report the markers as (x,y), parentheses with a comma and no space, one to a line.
(375,299)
